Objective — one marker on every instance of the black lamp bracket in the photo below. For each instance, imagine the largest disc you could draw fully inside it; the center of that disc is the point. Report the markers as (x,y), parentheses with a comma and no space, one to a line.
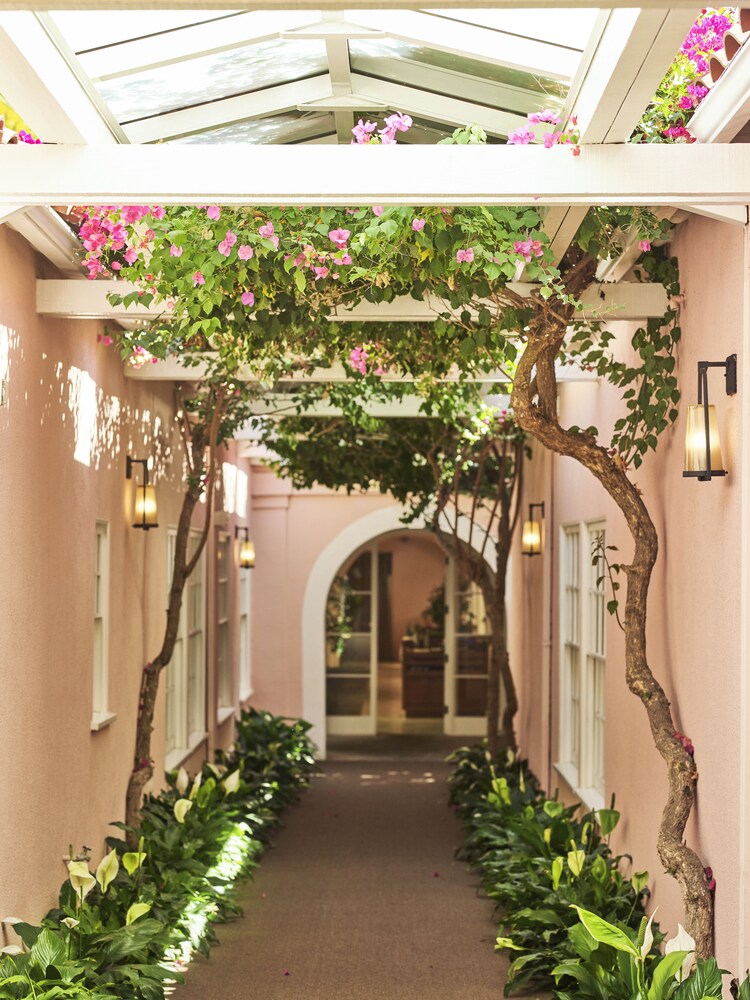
(540,506)
(130,462)
(238,528)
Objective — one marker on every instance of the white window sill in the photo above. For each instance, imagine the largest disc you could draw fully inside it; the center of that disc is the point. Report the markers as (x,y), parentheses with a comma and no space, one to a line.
(245,696)
(225,713)
(592,798)
(176,757)
(100,720)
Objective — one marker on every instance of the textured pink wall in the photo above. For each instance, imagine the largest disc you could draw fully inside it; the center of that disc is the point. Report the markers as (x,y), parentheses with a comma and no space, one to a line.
(694,623)
(65,783)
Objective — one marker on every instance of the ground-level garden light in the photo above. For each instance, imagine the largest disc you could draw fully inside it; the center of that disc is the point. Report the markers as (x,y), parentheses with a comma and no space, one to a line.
(702,441)
(532,536)
(247,549)
(144,512)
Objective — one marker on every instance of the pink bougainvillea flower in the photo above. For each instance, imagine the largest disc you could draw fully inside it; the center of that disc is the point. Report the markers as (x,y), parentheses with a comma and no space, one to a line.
(417,225)
(104,338)
(320,272)
(275,241)
(362,131)
(551,139)
(465,256)
(131,255)
(213,212)
(398,122)
(340,237)
(116,265)
(377,210)
(343,261)
(267,230)
(248,299)
(686,102)
(709,873)
(521,137)
(358,359)
(25,136)
(644,245)
(576,150)
(244,252)
(387,136)
(679,133)
(134,213)
(158,211)
(175,251)
(198,279)
(549,116)
(225,247)
(528,249)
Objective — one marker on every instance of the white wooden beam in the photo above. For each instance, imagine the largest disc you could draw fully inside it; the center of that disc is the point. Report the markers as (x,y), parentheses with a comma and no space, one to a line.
(88,300)
(630,53)
(726,108)
(437,107)
(41,87)
(736,215)
(219,5)
(44,229)
(639,174)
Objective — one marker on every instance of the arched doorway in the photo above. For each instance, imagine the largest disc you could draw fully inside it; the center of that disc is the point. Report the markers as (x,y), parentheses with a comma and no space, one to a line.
(460,678)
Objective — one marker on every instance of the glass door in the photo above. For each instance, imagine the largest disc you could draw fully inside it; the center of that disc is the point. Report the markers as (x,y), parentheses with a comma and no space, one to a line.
(352,648)
(467,641)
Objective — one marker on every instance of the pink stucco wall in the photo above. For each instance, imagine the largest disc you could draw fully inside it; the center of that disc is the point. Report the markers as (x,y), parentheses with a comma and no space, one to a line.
(71,419)
(694,627)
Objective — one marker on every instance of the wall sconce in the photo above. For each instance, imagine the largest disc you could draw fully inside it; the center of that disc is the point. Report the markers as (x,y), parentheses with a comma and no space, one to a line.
(531,537)
(702,441)
(3,392)
(247,549)
(145,496)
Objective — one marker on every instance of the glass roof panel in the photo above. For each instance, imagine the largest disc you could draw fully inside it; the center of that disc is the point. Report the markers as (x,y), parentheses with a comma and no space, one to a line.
(496,86)
(569,27)
(294,126)
(191,82)
(91,29)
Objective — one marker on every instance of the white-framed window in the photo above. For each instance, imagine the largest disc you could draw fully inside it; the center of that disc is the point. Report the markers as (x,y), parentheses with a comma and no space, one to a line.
(583,660)
(570,694)
(246,677)
(101,715)
(196,645)
(223,628)
(185,675)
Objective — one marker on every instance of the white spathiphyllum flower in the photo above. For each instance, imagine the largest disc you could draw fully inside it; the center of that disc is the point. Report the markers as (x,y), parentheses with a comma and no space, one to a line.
(648,937)
(80,878)
(70,922)
(232,782)
(182,781)
(107,871)
(181,808)
(682,942)
(196,784)
(135,911)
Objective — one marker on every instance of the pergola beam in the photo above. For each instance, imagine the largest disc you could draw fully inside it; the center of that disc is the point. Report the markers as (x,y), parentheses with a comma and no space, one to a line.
(639,174)
(329,4)
(88,300)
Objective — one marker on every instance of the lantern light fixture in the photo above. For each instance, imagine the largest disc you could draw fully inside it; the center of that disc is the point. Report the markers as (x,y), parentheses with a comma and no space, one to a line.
(532,538)
(145,496)
(247,549)
(703,459)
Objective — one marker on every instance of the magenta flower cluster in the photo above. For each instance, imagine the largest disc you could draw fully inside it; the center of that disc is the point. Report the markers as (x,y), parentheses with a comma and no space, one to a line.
(365,132)
(568,135)
(706,36)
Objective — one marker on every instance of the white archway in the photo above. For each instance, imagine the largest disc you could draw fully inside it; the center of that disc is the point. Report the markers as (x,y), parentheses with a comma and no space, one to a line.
(354,536)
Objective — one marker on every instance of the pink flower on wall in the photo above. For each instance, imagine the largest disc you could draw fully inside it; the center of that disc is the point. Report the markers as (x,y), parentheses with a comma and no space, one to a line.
(521,137)
(418,225)
(248,299)
(175,251)
(340,237)
(198,279)
(213,212)
(244,252)
(465,256)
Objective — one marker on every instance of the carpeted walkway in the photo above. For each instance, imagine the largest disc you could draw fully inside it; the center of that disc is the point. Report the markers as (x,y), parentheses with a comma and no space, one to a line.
(361,899)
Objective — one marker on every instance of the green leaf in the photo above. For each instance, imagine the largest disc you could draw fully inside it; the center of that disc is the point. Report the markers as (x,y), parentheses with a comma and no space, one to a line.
(663,982)
(606,933)
(49,949)
(300,280)
(506,942)
(608,818)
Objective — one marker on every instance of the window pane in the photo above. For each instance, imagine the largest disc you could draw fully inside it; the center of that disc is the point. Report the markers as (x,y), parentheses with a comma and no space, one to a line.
(348,696)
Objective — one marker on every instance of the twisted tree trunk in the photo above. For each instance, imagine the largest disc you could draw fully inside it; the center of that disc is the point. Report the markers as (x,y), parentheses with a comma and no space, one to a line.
(534,402)
(201,436)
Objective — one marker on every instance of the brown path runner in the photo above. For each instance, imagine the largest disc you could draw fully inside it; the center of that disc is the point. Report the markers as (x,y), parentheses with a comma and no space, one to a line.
(361,899)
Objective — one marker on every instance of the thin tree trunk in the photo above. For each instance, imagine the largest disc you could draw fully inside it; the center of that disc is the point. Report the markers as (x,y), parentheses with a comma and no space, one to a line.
(534,402)
(201,478)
